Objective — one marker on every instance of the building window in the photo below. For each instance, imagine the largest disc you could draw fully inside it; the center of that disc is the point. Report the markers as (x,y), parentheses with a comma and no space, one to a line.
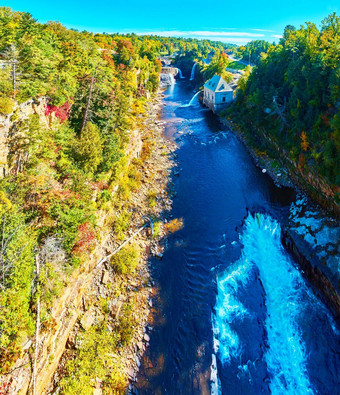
(223,98)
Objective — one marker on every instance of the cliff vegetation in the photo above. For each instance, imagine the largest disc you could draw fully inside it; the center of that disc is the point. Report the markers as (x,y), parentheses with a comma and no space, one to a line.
(289,105)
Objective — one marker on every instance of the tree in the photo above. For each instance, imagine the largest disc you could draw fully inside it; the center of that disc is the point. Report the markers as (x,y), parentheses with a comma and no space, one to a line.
(251,52)
(304,141)
(218,66)
(10,56)
(294,88)
(16,275)
(88,149)
(242,83)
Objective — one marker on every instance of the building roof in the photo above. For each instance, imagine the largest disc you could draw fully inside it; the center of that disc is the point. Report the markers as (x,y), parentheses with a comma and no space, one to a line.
(217,84)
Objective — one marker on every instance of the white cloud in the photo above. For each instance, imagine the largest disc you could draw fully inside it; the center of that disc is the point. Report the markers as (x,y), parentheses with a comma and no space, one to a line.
(277,35)
(200,33)
(231,40)
(225,34)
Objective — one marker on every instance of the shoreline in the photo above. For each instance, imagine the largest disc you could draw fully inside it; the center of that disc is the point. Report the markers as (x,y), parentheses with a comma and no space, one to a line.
(139,287)
(313,269)
(280,177)
(285,173)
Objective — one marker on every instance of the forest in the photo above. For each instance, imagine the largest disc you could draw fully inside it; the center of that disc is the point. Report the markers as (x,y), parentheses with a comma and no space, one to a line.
(251,52)
(292,98)
(61,175)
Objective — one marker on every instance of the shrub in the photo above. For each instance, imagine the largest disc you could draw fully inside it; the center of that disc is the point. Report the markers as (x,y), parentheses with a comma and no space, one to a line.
(126,260)
(85,240)
(94,360)
(62,112)
(134,178)
(105,196)
(152,198)
(127,324)
(6,105)
(157,225)
(122,224)
(146,151)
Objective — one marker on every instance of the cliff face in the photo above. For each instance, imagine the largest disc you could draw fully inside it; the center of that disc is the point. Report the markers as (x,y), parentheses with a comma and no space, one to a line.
(313,238)
(137,288)
(311,234)
(319,275)
(52,342)
(305,178)
(66,307)
(9,123)
(89,282)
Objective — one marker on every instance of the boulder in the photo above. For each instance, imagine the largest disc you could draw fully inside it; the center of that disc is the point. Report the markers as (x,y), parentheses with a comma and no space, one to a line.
(105,277)
(87,320)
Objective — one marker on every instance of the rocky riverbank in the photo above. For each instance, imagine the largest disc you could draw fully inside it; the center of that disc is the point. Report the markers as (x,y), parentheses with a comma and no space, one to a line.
(111,295)
(311,235)
(278,174)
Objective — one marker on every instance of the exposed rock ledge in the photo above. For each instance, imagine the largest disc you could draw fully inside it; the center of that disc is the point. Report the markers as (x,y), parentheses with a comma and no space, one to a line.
(313,270)
(323,278)
(68,307)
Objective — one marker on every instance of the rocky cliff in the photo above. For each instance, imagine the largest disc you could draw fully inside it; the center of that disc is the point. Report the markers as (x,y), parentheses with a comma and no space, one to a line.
(9,124)
(70,306)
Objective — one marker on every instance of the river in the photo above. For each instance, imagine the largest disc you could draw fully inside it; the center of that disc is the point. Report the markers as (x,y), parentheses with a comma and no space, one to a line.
(235,315)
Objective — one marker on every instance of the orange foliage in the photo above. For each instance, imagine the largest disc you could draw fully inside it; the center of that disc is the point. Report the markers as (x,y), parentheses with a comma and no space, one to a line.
(158,65)
(304,141)
(173,226)
(302,161)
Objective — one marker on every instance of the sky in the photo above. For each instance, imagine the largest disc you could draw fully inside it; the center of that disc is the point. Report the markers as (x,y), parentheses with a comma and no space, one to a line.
(232,21)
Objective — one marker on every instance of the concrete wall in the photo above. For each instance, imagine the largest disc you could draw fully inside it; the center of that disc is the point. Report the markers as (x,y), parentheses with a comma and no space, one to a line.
(209,99)
(214,100)
(223,97)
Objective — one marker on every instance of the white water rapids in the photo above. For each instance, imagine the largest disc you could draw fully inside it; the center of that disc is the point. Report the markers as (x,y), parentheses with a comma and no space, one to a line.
(283,287)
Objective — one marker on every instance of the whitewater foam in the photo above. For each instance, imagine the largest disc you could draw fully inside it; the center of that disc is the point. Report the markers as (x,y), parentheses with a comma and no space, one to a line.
(284,288)
(229,309)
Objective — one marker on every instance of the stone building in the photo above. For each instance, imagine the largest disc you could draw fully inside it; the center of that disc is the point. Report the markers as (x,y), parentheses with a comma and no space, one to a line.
(217,94)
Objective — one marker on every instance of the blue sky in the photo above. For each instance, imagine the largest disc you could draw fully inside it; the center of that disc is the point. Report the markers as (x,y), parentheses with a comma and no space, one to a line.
(230,21)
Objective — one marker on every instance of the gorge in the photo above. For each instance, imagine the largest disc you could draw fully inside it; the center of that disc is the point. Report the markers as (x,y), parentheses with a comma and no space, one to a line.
(149,246)
(228,289)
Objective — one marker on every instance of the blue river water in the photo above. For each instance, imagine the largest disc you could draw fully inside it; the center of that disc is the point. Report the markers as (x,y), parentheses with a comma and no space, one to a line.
(235,314)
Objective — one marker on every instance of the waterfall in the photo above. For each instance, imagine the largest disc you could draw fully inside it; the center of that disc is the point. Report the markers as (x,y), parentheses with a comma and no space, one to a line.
(172,79)
(286,295)
(193,72)
(180,73)
(192,101)
(193,98)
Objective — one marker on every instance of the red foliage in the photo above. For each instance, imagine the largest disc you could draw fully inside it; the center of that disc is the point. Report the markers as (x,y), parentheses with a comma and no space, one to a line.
(325,119)
(125,44)
(61,112)
(100,185)
(108,58)
(86,239)
(4,387)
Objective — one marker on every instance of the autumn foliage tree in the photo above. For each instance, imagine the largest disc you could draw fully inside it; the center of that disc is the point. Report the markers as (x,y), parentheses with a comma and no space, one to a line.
(295,87)
(88,149)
